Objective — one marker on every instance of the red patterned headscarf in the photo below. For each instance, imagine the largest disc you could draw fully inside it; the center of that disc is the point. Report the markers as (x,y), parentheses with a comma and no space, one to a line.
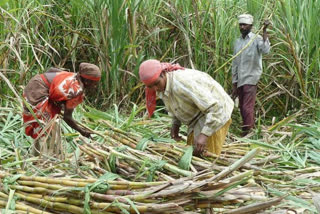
(149,72)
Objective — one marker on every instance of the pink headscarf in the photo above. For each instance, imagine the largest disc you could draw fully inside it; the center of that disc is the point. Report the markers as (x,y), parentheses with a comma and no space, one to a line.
(149,72)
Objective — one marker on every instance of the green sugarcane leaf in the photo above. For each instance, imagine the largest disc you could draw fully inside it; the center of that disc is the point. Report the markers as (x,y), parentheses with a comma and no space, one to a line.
(116,203)
(10,180)
(142,145)
(11,203)
(3,2)
(234,185)
(315,156)
(294,200)
(86,205)
(185,160)
(128,122)
(97,115)
(315,142)
(132,205)
(162,140)
(259,143)
(306,182)
(112,163)
(154,166)
(109,176)
(116,113)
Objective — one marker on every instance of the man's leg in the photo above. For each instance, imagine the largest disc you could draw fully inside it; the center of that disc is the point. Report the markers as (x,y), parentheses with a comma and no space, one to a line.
(241,96)
(247,101)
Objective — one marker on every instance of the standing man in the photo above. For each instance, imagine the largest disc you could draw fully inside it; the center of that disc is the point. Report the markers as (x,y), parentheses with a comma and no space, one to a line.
(191,97)
(247,68)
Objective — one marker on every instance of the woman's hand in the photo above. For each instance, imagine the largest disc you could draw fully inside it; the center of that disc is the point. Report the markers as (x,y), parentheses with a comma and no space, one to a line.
(67,117)
(199,144)
(86,133)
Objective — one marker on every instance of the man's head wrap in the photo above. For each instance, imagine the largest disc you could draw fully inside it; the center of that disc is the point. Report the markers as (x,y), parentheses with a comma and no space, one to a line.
(245,19)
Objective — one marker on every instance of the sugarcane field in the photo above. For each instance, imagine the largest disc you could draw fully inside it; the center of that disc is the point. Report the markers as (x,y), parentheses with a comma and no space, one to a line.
(159,106)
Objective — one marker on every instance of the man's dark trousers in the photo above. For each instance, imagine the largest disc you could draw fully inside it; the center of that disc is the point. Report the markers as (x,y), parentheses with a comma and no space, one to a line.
(247,99)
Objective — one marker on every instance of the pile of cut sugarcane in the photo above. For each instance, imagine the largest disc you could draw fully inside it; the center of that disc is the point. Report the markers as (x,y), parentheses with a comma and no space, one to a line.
(108,194)
(123,179)
(119,171)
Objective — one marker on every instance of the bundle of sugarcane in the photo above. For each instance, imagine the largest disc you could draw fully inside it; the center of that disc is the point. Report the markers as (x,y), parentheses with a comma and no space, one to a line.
(138,158)
(159,161)
(263,166)
(135,158)
(129,162)
(203,190)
